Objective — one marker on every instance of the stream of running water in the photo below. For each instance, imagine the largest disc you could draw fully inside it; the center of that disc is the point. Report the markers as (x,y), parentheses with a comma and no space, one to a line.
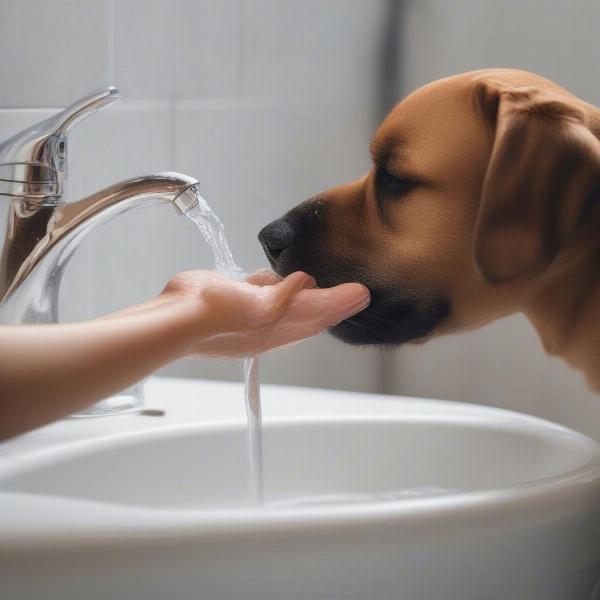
(213,232)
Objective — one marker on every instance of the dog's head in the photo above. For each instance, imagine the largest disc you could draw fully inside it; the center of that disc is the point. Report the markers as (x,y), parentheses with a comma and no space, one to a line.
(478,183)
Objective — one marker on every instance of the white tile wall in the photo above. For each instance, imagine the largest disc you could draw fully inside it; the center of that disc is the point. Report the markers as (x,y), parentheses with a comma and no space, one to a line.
(52,51)
(206,48)
(177,48)
(555,38)
(328,49)
(143,32)
(502,365)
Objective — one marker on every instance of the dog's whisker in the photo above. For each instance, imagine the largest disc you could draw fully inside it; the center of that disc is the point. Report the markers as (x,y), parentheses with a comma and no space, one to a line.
(354,322)
(381,320)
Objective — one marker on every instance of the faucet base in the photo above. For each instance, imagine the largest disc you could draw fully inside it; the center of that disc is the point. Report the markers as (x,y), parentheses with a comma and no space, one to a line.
(129,400)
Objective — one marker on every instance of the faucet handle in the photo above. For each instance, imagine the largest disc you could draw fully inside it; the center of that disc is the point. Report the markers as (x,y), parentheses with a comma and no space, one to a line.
(33,163)
(82,108)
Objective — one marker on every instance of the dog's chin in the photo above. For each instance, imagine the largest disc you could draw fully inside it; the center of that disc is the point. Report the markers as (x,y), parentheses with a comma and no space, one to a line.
(394,316)
(392,324)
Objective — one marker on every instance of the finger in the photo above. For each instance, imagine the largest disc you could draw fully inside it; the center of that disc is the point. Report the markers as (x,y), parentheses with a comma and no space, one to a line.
(314,310)
(291,285)
(263,277)
(348,299)
(285,291)
(335,304)
(311,283)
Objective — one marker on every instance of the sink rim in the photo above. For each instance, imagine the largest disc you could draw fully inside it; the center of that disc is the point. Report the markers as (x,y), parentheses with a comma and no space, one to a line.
(557,495)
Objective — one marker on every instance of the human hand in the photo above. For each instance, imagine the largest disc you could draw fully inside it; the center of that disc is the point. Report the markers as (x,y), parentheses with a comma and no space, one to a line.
(247,318)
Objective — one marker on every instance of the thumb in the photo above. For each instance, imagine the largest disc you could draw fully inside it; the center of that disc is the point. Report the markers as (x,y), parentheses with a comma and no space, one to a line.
(346,300)
(322,308)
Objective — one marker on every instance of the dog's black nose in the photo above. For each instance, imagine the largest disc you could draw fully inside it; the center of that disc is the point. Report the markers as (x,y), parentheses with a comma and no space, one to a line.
(276,237)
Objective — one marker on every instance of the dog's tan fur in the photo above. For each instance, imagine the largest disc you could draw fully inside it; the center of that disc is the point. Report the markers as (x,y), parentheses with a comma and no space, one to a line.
(451,144)
(504,217)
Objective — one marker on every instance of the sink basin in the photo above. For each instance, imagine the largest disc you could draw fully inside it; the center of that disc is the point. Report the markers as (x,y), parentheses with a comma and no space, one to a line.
(403,498)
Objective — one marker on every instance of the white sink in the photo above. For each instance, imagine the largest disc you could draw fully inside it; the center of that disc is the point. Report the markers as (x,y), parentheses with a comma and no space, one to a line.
(472,503)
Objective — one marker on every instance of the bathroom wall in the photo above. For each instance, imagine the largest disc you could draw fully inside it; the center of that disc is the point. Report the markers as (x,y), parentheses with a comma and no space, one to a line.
(267,102)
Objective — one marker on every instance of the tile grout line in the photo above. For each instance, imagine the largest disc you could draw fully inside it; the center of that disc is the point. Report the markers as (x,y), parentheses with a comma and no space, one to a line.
(240,45)
(172,100)
(111,55)
(92,257)
(30,109)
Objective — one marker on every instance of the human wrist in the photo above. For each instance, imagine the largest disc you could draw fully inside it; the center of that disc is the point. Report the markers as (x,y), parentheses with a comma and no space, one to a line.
(192,323)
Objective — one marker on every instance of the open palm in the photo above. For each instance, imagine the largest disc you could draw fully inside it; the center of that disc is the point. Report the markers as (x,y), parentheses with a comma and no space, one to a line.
(251,317)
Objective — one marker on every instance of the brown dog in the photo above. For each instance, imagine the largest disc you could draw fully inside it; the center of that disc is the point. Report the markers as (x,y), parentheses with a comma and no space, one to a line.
(483,200)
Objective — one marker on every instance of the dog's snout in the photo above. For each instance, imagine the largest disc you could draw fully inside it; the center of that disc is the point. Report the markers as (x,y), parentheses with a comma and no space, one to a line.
(276,237)
(293,238)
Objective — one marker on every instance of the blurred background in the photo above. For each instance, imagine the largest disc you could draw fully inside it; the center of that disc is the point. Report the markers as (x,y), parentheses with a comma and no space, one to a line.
(268,102)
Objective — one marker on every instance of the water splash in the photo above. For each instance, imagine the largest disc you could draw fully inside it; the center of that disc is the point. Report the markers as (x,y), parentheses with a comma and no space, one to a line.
(213,232)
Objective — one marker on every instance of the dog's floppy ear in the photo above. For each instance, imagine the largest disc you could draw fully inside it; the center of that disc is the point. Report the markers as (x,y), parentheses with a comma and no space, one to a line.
(542,181)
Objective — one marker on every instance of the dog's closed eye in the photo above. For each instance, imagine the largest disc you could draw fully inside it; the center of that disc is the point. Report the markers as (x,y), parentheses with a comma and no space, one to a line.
(389,186)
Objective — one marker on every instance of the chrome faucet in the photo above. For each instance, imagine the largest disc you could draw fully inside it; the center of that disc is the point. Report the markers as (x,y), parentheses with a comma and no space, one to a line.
(43,229)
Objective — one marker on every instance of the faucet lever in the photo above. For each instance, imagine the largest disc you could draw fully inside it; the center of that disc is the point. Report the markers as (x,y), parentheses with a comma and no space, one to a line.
(82,108)
(33,163)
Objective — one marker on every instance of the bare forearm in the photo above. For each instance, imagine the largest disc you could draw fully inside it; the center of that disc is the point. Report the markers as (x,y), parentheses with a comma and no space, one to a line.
(50,371)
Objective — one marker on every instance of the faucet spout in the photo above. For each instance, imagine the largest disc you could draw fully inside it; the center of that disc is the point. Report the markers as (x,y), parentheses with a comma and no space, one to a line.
(41,238)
